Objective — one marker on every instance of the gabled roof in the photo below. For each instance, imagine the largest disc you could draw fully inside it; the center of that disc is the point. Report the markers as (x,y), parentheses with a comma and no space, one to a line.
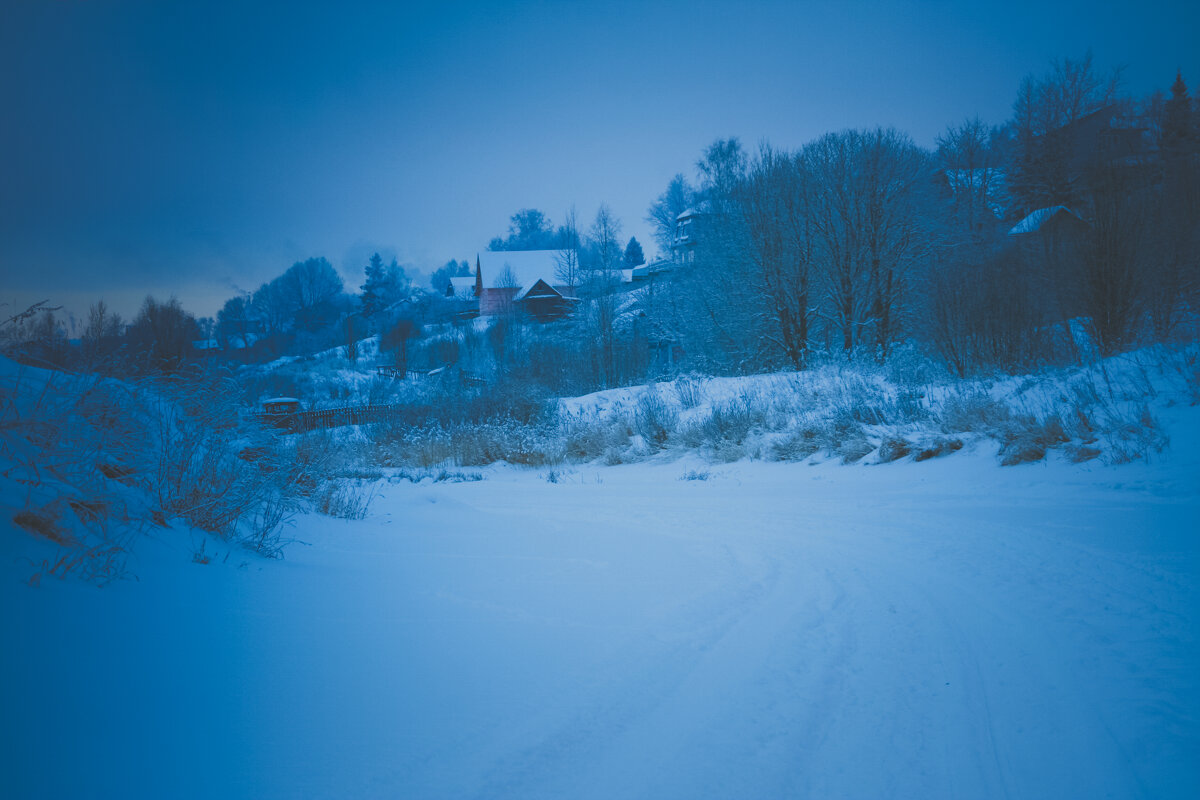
(1035,220)
(517,268)
(539,288)
(464,287)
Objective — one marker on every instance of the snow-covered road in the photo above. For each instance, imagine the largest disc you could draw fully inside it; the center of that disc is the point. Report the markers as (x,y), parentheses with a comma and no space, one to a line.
(944,629)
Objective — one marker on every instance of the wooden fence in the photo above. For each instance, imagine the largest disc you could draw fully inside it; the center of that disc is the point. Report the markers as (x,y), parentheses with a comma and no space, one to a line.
(301,421)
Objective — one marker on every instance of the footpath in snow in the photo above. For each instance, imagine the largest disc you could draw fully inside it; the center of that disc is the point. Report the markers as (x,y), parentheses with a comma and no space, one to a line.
(943,629)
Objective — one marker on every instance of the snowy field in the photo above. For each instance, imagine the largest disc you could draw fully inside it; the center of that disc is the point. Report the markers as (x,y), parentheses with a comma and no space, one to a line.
(948,629)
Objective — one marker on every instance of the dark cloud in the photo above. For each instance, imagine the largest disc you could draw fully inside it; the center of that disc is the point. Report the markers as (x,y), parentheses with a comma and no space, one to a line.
(198,146)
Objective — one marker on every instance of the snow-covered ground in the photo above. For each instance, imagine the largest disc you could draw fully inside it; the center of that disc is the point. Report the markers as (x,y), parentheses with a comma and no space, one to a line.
(949,629)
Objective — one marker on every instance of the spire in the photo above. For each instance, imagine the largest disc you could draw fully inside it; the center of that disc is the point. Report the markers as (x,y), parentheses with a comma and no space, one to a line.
(478,278)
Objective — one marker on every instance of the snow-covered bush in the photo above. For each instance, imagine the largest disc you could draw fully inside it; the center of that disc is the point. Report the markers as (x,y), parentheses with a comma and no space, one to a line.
(798,444)
(221,474)
(89,463)
(689,389)
(973,410)
(588,439)
(343,499)
(850,411)
(939,446)
(654,419)
(893,448)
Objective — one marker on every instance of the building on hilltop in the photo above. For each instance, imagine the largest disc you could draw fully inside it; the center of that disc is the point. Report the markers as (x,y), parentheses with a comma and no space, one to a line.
(683,249)
(528,281)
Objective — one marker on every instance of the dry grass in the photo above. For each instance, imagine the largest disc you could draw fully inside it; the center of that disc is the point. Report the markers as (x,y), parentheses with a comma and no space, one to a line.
(39,523)
(893,448)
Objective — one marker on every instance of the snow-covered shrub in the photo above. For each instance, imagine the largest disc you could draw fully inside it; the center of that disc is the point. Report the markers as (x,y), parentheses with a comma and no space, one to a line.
(100,564)
(842,427)
(1077,454)
(585,442)
(434,476)
(973,411)
(425,447)
(558,475)
(1134,437)
(871,402)
(615,456)
(1192,380)
(854,448)
(1026,438)
(727,451)
(798,444)
(940,446)
(218,474)
(908,367)
(474,444)
(588,439)
(507,400)
(102,460)
(689,389)
(654,419)
(731,422)
(1021,447)
(343,499)
(893,448)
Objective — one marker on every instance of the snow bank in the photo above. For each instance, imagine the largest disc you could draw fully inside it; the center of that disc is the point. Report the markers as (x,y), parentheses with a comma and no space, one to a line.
(941,629)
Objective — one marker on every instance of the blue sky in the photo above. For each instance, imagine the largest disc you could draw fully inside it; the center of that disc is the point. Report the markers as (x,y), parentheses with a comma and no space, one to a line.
(199,148)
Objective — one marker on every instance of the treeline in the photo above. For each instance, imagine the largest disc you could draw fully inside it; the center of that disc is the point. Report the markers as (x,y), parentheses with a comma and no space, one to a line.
(1081,215)
(304,309)
(1071,231)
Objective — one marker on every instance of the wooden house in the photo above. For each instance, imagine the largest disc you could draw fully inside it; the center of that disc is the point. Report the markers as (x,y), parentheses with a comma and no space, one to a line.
(524,281)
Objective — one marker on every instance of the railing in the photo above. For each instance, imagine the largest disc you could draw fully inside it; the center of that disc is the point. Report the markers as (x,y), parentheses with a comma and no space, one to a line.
(301,421)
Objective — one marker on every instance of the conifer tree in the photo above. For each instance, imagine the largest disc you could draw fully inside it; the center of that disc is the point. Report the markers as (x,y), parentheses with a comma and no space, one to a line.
(373,287)
(1177,136)
(634,257)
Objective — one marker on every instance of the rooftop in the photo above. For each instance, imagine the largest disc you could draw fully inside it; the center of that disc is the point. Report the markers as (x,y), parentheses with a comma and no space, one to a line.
(517,268)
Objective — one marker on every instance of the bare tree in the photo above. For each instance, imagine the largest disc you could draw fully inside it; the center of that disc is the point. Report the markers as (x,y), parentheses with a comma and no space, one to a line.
(1111,267)
(838,220)
(722,309)
(309,287)
(302,298)
(1174,284)
(867,213)
(102,333)
(604,242)
(509,284)
(236,320)
(779,230)
(162,333)
(664,212)
(973,177)
(1072,89)
(566,263)
(894,179)
(271,304)
(604,260)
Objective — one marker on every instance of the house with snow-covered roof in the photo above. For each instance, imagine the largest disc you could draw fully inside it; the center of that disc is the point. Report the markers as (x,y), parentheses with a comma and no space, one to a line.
(683,247)
(1052,220)
(1050,234)
(462,288)
(529,281)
